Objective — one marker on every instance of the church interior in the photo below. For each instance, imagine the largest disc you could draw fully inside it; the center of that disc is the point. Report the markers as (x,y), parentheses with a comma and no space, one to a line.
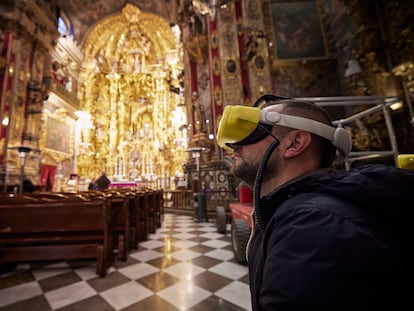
(134,91)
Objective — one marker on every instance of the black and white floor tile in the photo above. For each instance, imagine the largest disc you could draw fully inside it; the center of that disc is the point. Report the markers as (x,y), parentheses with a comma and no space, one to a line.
(185,265)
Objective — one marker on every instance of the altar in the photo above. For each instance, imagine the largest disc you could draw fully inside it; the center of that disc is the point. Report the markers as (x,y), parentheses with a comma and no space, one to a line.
(123,184)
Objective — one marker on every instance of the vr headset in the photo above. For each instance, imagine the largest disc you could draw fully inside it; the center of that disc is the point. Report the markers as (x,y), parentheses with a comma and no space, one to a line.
(244,125)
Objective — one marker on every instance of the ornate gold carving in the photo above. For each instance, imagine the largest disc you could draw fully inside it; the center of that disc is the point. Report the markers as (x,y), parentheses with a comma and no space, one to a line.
(131,13)
(216,66)
(213,40)
(229,38)
(232,93)
(231,80)
(129,86)
(253,9)
(197,48)
(218,96)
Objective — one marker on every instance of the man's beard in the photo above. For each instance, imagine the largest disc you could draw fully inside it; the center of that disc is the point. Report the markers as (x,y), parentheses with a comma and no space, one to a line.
(247,171)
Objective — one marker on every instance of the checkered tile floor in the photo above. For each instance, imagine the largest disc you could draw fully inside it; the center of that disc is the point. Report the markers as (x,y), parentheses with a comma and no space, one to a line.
(183,266)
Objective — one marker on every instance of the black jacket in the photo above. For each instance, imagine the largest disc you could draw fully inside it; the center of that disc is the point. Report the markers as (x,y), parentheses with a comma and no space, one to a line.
(102,182)
(335,240)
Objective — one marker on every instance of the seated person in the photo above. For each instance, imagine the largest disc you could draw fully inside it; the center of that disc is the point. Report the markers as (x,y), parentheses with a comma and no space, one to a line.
(102,182)
(28,186)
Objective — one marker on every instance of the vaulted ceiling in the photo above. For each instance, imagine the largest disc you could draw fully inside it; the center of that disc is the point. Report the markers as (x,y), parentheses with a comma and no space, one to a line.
(85,14)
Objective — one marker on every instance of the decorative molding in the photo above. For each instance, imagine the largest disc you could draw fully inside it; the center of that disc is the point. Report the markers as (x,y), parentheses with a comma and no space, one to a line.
(214,40)
(232,68)
(218,96)
(216,66)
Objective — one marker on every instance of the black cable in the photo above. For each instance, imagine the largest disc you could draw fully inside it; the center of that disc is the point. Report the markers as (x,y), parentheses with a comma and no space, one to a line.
(258,183)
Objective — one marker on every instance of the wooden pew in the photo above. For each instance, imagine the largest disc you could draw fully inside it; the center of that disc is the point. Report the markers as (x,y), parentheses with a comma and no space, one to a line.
(138,212)
(119,206)
(159,207)
(132,209)
(155,209)
(11,198)
(142,217)
(57,231)
(145,210)
(152,212)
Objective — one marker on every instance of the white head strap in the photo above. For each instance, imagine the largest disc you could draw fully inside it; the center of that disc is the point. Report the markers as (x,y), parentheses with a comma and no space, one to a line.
(340,138)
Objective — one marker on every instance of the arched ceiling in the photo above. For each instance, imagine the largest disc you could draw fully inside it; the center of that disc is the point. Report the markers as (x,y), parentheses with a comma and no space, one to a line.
(84,14)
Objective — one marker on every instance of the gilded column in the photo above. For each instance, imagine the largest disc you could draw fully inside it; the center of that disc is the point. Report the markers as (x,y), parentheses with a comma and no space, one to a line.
(255,56)
(230,70)
(7,67)
(215,77)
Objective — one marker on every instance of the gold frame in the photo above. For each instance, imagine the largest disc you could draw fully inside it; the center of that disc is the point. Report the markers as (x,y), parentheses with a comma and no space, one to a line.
(302,15)
(59,122)
(260,64)
(231,68)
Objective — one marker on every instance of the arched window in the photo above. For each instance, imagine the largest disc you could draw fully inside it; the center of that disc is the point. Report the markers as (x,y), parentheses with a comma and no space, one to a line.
(65,27)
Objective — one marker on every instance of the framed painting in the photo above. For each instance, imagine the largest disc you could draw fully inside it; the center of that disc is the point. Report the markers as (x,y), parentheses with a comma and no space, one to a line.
(342,26)
(298,30)
(58,135)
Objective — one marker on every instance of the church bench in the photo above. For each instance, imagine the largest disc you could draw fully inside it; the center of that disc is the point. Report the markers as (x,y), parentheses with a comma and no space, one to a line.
(57,231)
(159,207)
(140,216)
(119,206)
(137,210)
(118,209)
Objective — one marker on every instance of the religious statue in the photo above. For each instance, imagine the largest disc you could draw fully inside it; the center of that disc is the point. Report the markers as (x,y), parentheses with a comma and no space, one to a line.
(199,115)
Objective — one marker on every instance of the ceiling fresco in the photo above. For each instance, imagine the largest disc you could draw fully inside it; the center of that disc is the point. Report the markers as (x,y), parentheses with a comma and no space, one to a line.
(85,14)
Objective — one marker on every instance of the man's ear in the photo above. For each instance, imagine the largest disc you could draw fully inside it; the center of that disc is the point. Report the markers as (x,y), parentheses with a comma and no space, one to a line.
(299,142)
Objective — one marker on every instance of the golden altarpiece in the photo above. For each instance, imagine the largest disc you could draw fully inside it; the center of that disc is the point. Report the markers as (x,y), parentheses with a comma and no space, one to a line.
(129,86)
